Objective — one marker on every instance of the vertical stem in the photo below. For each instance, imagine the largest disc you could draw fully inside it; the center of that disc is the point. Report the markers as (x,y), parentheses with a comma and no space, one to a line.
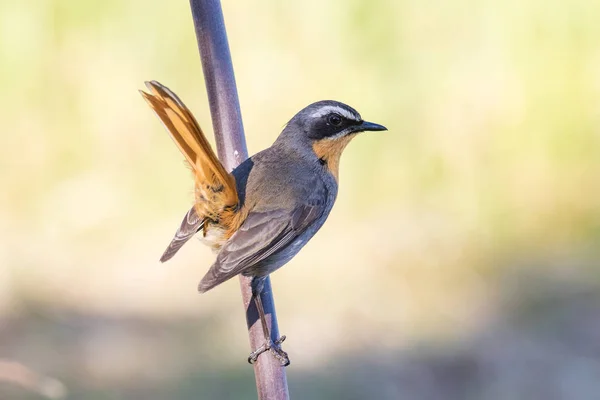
(271,381)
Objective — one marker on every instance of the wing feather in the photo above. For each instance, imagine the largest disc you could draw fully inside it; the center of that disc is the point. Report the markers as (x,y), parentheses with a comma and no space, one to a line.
(261,235)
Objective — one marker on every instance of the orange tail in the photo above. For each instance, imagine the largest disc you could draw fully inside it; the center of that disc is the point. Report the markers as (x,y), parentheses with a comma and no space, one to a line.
(215,189)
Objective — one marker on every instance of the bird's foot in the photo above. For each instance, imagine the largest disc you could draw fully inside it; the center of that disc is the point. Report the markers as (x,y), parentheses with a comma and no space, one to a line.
(274,348)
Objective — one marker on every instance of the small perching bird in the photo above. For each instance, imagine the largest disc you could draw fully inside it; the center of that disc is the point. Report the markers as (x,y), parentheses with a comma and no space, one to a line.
(261,214)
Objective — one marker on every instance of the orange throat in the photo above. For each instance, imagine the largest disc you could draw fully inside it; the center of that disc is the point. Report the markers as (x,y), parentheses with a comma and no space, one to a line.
(330,151)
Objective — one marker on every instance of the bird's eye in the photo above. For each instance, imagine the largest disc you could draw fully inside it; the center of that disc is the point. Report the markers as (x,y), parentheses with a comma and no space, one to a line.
(335,120)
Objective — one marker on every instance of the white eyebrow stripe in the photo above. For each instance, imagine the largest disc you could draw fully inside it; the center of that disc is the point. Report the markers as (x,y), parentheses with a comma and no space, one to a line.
(329,109)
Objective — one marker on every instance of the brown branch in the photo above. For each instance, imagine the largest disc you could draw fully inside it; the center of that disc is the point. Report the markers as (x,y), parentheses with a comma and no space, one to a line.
(271,381)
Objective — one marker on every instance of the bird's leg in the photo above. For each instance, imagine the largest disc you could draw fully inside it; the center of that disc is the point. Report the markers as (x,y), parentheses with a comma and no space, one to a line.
(269,345)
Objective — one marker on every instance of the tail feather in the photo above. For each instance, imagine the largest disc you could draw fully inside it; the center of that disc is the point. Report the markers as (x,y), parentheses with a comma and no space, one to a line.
(215,189)
(190,225)
(213,183)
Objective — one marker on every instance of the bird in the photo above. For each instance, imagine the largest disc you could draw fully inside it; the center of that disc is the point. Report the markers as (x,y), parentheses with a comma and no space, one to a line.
(259,216)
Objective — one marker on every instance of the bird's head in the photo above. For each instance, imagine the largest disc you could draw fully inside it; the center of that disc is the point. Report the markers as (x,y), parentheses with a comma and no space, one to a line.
(327,126)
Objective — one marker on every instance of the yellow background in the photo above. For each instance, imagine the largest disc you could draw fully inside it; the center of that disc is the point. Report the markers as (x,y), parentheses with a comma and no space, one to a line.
(460,261)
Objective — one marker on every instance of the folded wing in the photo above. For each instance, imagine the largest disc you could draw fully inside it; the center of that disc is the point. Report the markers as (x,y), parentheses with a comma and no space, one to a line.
(261,235)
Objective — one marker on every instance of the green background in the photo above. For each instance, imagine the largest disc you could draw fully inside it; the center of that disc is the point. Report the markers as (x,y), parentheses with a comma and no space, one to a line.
(460,261)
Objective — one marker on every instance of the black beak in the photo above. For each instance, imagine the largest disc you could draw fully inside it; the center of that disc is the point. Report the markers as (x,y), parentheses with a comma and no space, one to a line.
(371,126)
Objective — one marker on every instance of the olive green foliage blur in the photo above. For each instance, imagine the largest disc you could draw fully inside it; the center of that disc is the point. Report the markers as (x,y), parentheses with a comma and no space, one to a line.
(460,261)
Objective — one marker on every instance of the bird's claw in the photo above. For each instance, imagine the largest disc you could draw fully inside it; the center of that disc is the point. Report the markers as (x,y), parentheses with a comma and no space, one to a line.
(278,352)
(274,348)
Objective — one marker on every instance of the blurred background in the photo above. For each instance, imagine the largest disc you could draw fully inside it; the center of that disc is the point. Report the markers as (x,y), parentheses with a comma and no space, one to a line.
(461,259)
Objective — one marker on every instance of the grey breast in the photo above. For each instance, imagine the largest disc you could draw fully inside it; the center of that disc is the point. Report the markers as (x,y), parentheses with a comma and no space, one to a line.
(276,179)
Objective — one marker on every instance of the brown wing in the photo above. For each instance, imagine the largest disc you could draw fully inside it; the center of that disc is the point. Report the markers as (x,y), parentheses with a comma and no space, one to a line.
(261,235)
(215,187)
